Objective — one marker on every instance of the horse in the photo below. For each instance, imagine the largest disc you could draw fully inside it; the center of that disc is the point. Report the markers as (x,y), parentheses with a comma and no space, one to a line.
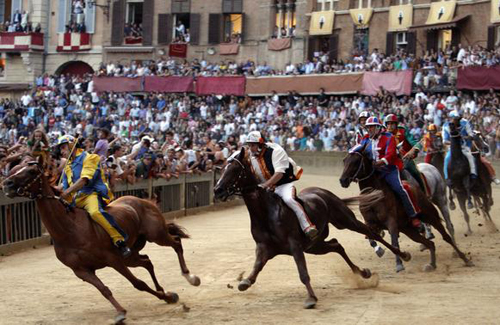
(276,230)
(459,174)
(85,247)
(437,187)
(437,152)
(390,214)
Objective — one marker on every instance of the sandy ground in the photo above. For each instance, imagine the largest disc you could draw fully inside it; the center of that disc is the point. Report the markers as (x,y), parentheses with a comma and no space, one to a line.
(37,289)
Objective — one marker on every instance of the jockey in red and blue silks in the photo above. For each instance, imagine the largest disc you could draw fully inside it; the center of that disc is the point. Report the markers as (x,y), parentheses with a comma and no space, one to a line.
(360,128)
(381,148)
(466,132)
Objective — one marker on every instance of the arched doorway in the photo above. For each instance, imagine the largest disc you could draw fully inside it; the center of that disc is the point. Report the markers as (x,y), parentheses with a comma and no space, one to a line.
(78,68)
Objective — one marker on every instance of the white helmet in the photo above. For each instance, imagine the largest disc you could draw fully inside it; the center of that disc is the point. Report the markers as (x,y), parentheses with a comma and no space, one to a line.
(254,137)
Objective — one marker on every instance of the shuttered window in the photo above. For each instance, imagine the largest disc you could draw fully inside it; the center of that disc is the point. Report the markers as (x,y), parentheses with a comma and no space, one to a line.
(214,28)
(147,22)
(491,38)
(411,38)
(118,23)
(389,43)
(62,15)
(194,28)
(164,28)
(90,19)
(2,11)
(334,47)
(181,6)
(232,6)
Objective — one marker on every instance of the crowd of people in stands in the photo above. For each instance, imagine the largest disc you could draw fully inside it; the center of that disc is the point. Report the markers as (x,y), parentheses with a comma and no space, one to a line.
(19,24)
(167,135)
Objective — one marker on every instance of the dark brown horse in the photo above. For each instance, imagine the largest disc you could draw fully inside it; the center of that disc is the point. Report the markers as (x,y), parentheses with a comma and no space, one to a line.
(437,151)
(85,247)
(275,227)
(390,214)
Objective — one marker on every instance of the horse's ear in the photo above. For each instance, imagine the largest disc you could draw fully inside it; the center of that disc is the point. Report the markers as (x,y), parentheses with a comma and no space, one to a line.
(39,160)
(241,156)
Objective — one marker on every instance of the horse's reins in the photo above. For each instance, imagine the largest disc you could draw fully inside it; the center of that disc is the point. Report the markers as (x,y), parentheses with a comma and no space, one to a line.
(21,191)
(235,190)
(361,166)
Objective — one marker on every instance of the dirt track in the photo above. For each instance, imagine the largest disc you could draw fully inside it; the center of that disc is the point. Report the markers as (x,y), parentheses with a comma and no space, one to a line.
(37,289)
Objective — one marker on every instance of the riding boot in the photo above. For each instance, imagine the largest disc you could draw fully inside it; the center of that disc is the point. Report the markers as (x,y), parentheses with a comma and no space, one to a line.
(311,232)
(122,246)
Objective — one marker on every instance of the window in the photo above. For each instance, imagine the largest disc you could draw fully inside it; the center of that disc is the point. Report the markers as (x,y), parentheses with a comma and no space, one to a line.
(360,42)
(181,28)
(134,12)
(233,27)
(401,39)
(324,5)
(286,20)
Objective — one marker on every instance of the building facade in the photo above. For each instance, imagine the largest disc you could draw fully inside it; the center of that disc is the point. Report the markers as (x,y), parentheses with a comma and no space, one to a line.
(75,36)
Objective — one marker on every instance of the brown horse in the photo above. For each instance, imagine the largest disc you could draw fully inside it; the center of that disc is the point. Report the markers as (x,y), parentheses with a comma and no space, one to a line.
(85,247)
(275,227)
(390,214)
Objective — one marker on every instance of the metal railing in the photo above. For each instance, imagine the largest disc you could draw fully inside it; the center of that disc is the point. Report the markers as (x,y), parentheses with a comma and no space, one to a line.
(19,220)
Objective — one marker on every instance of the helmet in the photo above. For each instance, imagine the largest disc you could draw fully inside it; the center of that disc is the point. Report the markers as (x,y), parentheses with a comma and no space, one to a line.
(364,114)
(373,121)
(65,139)
(432,127)
(454,114)
(391,118)
(255,137)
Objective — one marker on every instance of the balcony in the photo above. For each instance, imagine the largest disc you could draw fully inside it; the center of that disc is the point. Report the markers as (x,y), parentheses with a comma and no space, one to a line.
(21,42)
(73,42)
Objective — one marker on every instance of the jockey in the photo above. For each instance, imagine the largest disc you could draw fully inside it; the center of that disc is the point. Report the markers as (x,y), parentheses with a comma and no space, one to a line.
(84,187)
(466,132)
(360,129)
(429,141)
(484,149)
(381,147)
(408,148)
(273,167)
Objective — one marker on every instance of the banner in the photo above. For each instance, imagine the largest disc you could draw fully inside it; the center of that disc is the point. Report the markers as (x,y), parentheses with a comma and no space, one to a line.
(178,50)
(321,23)
(221,86)
(333,84)
(279,44)
(229,49)
(441,12)
(361,17)
(400,18)
(398,82)
(495,11)
(117,84)
(169,84)
(479,78)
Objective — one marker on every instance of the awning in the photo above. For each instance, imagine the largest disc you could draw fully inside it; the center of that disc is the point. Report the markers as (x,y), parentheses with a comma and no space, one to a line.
(451,24)
(400,18)
(321,23)
(361,17)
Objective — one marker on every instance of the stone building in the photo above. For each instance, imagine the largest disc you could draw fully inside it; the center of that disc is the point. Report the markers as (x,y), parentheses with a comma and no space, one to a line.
(239,30)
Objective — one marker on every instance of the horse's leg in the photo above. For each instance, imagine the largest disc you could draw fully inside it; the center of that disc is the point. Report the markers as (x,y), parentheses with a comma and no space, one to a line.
(191,278)
(461,200)
(440,201)
(466,183)
(378,250)
(395,242)
(169,297)
(452,203)
(300,260)
(436,223)
(145,262)
(334,246)
(262,255)
(413,234)
(90,277)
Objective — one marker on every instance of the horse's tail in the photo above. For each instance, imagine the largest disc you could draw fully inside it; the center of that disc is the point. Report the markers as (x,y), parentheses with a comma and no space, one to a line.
(176,230)
(368,197)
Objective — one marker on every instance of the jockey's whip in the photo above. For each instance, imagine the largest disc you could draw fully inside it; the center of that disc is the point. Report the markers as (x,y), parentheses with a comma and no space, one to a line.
(67,160)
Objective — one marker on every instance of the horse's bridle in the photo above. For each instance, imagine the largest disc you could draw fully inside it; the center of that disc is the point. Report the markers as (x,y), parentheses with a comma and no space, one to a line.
(361,166)
(24,191)
(234,189)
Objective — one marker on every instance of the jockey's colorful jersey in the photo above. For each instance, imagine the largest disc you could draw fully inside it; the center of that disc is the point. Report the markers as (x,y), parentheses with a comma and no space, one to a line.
(360,134)
(274,159)
(429,141)
(465,130)
(85,165)
(404,140)
(382,147)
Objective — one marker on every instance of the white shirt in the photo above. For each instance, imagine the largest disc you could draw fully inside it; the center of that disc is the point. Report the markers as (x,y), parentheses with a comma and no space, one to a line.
(280,160)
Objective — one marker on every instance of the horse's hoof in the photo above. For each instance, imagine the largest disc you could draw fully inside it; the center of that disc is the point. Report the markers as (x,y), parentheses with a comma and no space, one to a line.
(470,206)
(310,302)
(423,247)
(379,251)
(171,297)
(469,264)
(405,256)
(452,206)
(366,273)
(429,268)
(194,280)
(244,285)
(120,318)
(399,268)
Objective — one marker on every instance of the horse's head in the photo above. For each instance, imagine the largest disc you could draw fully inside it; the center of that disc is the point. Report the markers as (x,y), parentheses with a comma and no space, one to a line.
(357,167)
(24,180)
(438,143)
(235,178)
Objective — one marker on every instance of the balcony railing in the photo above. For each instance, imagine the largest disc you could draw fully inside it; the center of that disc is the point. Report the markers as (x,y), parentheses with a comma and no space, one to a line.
(21,42)
(73,42)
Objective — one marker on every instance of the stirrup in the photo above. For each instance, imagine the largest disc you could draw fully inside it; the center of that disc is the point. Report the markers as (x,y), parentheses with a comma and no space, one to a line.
(311,232)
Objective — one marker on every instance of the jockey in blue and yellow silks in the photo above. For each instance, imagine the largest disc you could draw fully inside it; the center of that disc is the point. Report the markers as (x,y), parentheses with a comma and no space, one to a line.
(85,186)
